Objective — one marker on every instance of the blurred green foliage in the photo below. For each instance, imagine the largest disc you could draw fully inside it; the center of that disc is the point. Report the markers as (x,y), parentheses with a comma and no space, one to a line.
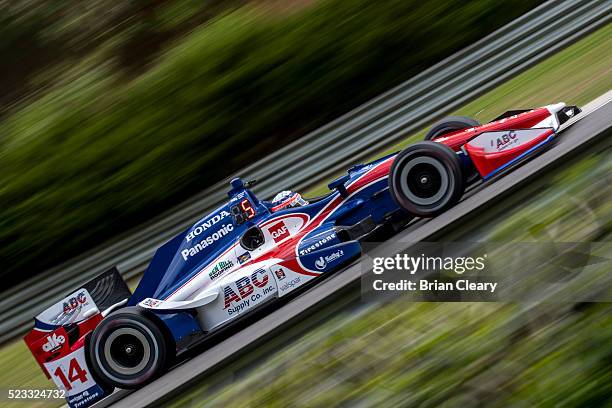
(100,154)
(45,43)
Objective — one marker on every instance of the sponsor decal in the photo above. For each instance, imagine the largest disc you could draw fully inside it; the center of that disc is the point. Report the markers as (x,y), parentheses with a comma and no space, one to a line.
(290,284)
(318,244)
(68,310)
(206,225)
(151,302)
(54,343)
(211,239)
(505,140)
(244,257)
(219,268)
(279,231)
(322,262)
(246,287)
(86,397)
(70,305)
(237,197)
(280,274)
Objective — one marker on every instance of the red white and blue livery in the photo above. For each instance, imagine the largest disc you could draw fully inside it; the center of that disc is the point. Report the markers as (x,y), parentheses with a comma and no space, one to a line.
(250,252)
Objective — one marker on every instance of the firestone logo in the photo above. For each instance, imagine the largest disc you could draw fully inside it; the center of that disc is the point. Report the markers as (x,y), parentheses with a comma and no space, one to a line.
(318,244)
(279,231)
(53,343)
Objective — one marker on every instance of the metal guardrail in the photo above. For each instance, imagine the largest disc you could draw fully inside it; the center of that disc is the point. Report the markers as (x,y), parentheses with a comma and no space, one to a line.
(354,136)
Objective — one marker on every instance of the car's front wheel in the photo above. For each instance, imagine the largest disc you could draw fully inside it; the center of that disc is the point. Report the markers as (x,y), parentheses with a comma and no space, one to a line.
(426,179)
(129,349)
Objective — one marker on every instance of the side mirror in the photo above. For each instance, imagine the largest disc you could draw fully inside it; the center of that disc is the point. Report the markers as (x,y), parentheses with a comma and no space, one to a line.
(250,183)
(338,184)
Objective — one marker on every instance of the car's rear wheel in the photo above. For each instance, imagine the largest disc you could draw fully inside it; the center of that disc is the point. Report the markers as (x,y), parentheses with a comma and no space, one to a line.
(129,348)
(450,124)
(426,179)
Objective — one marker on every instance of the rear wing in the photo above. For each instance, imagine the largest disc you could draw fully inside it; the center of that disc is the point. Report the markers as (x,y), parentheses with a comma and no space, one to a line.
(60,333)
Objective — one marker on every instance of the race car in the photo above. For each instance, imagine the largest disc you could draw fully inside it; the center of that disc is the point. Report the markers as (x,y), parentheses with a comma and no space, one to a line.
(250,252)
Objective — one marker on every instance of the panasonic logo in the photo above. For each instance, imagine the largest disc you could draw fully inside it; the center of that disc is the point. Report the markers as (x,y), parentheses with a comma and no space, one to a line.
(206,224)
(205,242)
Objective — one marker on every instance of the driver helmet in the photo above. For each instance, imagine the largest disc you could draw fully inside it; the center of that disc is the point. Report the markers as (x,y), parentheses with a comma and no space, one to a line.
(287,199)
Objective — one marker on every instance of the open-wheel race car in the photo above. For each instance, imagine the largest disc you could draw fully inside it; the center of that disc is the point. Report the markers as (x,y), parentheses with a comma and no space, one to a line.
(249,252)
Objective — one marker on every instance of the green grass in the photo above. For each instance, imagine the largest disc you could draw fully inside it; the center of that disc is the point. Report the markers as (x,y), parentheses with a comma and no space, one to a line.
(18,370)
(575,76)
(397,353)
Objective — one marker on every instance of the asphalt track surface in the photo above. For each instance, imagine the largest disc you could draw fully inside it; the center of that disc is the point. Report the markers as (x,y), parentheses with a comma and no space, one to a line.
(590,126)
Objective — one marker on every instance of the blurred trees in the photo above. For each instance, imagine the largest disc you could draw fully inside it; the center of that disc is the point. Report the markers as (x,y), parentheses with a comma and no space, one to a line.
(158,106)
(39,39)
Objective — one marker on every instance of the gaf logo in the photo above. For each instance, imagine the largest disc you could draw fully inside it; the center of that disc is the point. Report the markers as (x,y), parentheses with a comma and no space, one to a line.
(53,343)
(74,302)
(207,224)
(279,231)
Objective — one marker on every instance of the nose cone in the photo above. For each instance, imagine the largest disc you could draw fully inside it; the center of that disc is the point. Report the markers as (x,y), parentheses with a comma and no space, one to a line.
(556,107)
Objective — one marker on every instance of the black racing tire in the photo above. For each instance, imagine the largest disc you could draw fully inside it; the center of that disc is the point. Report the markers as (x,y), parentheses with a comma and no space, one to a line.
(106,388)
(450,124)
(129,348)
(426,179)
